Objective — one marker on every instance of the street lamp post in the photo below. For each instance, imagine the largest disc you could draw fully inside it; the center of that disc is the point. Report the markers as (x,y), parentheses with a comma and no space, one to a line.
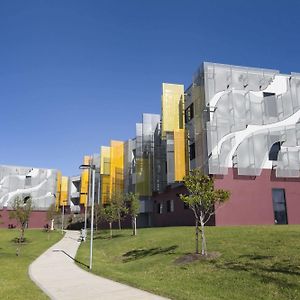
(88,195)
(62,218)
(92,168)
(92,218)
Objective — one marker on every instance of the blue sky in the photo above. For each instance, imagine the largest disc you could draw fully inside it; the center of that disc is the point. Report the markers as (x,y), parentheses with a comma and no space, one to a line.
(75,74)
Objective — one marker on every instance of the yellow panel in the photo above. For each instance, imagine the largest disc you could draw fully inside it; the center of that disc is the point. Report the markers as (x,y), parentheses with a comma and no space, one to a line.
(116,167)
(180,154)
(172,107)
(84,189)
(58,189)
(105,160)
(64,191)
(105,189)
(143,186)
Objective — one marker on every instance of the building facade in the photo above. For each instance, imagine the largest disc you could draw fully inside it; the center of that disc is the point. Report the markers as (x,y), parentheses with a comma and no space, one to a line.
(22,182)
(243,129)
(239,125)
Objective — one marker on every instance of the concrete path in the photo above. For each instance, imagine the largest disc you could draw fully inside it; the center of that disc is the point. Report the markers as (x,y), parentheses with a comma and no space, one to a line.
(56,273)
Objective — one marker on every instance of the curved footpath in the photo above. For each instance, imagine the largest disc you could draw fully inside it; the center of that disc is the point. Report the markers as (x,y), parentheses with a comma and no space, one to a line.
(56,273)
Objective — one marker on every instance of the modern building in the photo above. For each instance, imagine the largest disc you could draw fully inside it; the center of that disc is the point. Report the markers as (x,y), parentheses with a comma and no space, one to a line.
(39,184)
(243,129)
(239,125)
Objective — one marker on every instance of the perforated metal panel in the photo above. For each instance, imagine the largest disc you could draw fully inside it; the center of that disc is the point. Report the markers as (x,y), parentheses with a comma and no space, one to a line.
(245,107)
(40,184)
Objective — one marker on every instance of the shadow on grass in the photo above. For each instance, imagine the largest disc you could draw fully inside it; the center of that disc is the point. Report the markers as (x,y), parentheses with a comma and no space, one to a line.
(107,237)
(256,257)
(141,253)
(17,241)
(261,267)
(64,252)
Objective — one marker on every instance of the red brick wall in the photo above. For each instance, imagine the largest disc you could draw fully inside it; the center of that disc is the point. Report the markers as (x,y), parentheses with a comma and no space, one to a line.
(37,219)
(180,216)
(251,198)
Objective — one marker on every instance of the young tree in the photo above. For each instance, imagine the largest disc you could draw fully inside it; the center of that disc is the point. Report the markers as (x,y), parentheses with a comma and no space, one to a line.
(111,215)
(22,208)
(133,209)
(118,201)
(51,214)
(99,215)
(203,200)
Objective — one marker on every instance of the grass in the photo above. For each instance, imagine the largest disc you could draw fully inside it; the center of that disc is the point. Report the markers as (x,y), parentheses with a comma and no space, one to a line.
(256,262)
(14,279)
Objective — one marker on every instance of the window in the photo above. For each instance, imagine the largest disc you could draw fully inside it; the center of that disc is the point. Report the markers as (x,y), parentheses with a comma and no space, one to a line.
(159,208)
(189,113)
(270,104)
(279,206)
(192,151)
(273,153)
(28,180)
(170,205)
(26,198)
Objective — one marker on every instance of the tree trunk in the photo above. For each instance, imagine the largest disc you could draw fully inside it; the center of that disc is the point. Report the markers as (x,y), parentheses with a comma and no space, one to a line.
(203,251)
(119,220)
(22,233)
(110,228)
(197,235)
(134,226)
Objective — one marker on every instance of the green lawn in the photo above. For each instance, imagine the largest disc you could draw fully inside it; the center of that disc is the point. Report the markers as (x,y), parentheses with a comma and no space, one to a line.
(258,262)
(14,279)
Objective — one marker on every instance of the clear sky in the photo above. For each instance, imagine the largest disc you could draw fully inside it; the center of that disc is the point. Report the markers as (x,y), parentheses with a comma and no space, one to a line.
(75,74)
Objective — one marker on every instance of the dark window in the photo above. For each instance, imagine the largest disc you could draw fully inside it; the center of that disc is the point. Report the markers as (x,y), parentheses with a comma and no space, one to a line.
(279,206)
(168,206)
(26,199)
(273,154)
(270,104)
(159,208)
(28,180)
(189,113)
(192,151)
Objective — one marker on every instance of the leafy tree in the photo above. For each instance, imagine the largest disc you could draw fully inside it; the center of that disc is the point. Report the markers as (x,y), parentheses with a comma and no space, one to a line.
(133,202)
(111,215)
(118,201)
(99,214)
(51,213)
(22,208)
(203,200)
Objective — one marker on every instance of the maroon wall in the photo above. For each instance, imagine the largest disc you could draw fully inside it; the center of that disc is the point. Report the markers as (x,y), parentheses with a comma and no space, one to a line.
(180,216)
(251,198)
(37,219)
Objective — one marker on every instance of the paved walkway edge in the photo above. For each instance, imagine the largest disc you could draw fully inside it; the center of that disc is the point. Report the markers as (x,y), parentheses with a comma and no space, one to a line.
(40,286)
(59,277)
